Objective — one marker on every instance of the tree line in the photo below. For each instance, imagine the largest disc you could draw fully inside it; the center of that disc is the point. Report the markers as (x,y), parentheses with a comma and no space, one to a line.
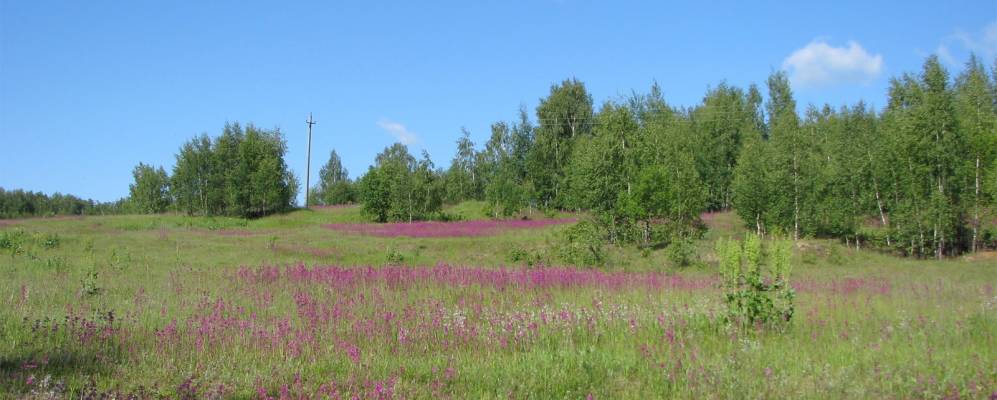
(917,178)
(18,203)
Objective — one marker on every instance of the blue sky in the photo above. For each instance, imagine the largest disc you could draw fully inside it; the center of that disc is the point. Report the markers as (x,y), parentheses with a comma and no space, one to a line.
(88,89)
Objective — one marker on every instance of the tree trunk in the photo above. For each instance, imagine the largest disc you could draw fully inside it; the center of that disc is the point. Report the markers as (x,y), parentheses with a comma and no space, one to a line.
(882,215)
(976,206)
(796,199)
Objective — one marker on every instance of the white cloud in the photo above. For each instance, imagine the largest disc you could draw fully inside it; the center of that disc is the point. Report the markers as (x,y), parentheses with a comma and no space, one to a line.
(820,64)
(399,131)
(945,55)
(984,44)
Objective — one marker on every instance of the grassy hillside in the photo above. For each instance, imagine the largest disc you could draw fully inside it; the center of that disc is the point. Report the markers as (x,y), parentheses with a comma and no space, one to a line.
(177,306)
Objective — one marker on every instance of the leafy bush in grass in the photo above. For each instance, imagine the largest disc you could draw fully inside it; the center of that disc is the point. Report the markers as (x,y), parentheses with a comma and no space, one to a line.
(583,245)
(681,252)
(756,293)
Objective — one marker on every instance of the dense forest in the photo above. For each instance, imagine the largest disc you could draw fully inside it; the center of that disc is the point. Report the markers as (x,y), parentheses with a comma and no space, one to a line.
(917,178)
(19,203)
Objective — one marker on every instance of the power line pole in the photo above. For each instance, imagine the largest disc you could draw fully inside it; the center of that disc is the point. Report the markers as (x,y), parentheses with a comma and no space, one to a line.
(308,168)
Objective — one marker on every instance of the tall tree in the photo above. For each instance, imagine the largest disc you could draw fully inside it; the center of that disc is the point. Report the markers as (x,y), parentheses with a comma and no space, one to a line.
(937,133)
(563,116)
(604,164)
(150,191)
(929,151)
(752,183)
(241,173)
(790,149)
(974,100)
(334,186)
(193,176)
(720,123)
(461,182)
(508,189)
(400,188)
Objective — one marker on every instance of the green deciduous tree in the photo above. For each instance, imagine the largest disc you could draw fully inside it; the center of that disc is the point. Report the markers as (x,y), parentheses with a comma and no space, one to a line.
(790,180)
(974,102)
(564,116)
(334,186)
(725,117)
(150,192)
(241,173)
(461,181)
(752,183)
(399,188)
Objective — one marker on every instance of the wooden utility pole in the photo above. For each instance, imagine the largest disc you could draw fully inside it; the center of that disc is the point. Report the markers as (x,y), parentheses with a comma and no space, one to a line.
(308,167)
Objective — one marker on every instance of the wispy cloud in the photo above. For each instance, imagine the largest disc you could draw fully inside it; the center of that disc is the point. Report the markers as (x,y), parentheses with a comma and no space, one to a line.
(983,44)
(821,64)
(399,131)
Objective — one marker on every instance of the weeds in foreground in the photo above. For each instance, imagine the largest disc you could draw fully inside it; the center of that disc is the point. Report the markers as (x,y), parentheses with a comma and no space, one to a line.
(756,292)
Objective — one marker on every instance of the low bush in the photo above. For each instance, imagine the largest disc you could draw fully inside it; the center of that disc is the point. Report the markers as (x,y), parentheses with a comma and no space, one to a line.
(756,293)
(583,244)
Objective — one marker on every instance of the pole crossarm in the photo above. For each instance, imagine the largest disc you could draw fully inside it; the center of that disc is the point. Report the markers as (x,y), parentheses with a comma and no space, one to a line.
(308,165)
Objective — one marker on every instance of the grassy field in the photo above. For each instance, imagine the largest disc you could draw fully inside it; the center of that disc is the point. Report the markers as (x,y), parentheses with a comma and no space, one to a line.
(285,307)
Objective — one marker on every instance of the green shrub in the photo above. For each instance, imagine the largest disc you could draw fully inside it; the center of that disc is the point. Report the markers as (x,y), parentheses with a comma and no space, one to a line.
(583,244)
(90,283)
(11,239)
(756,293)
(394,257)
(50,241)
(681,252)
(530,258)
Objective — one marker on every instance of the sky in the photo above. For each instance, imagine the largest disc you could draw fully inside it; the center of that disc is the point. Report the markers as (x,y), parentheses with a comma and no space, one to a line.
(88,89)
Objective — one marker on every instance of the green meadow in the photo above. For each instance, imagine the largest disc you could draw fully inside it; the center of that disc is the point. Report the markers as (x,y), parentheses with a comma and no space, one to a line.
(166,306)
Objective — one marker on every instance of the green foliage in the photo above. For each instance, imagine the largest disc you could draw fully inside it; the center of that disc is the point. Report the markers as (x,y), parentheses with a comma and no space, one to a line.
(727,117)
(399,188)
(150,193)
(756,294)
(497,174)
(583,244)
(505,197)
(374,189)
(90,283)
(462,182)
(665,202)
(10,239)
(394,257)
(241,173)
(751,184)
(20,203)
(603,165)
(564,116)
(19,242)
(334,186)
(927,211)
(534,258)
(681,251)
(50,241)
(975,97)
